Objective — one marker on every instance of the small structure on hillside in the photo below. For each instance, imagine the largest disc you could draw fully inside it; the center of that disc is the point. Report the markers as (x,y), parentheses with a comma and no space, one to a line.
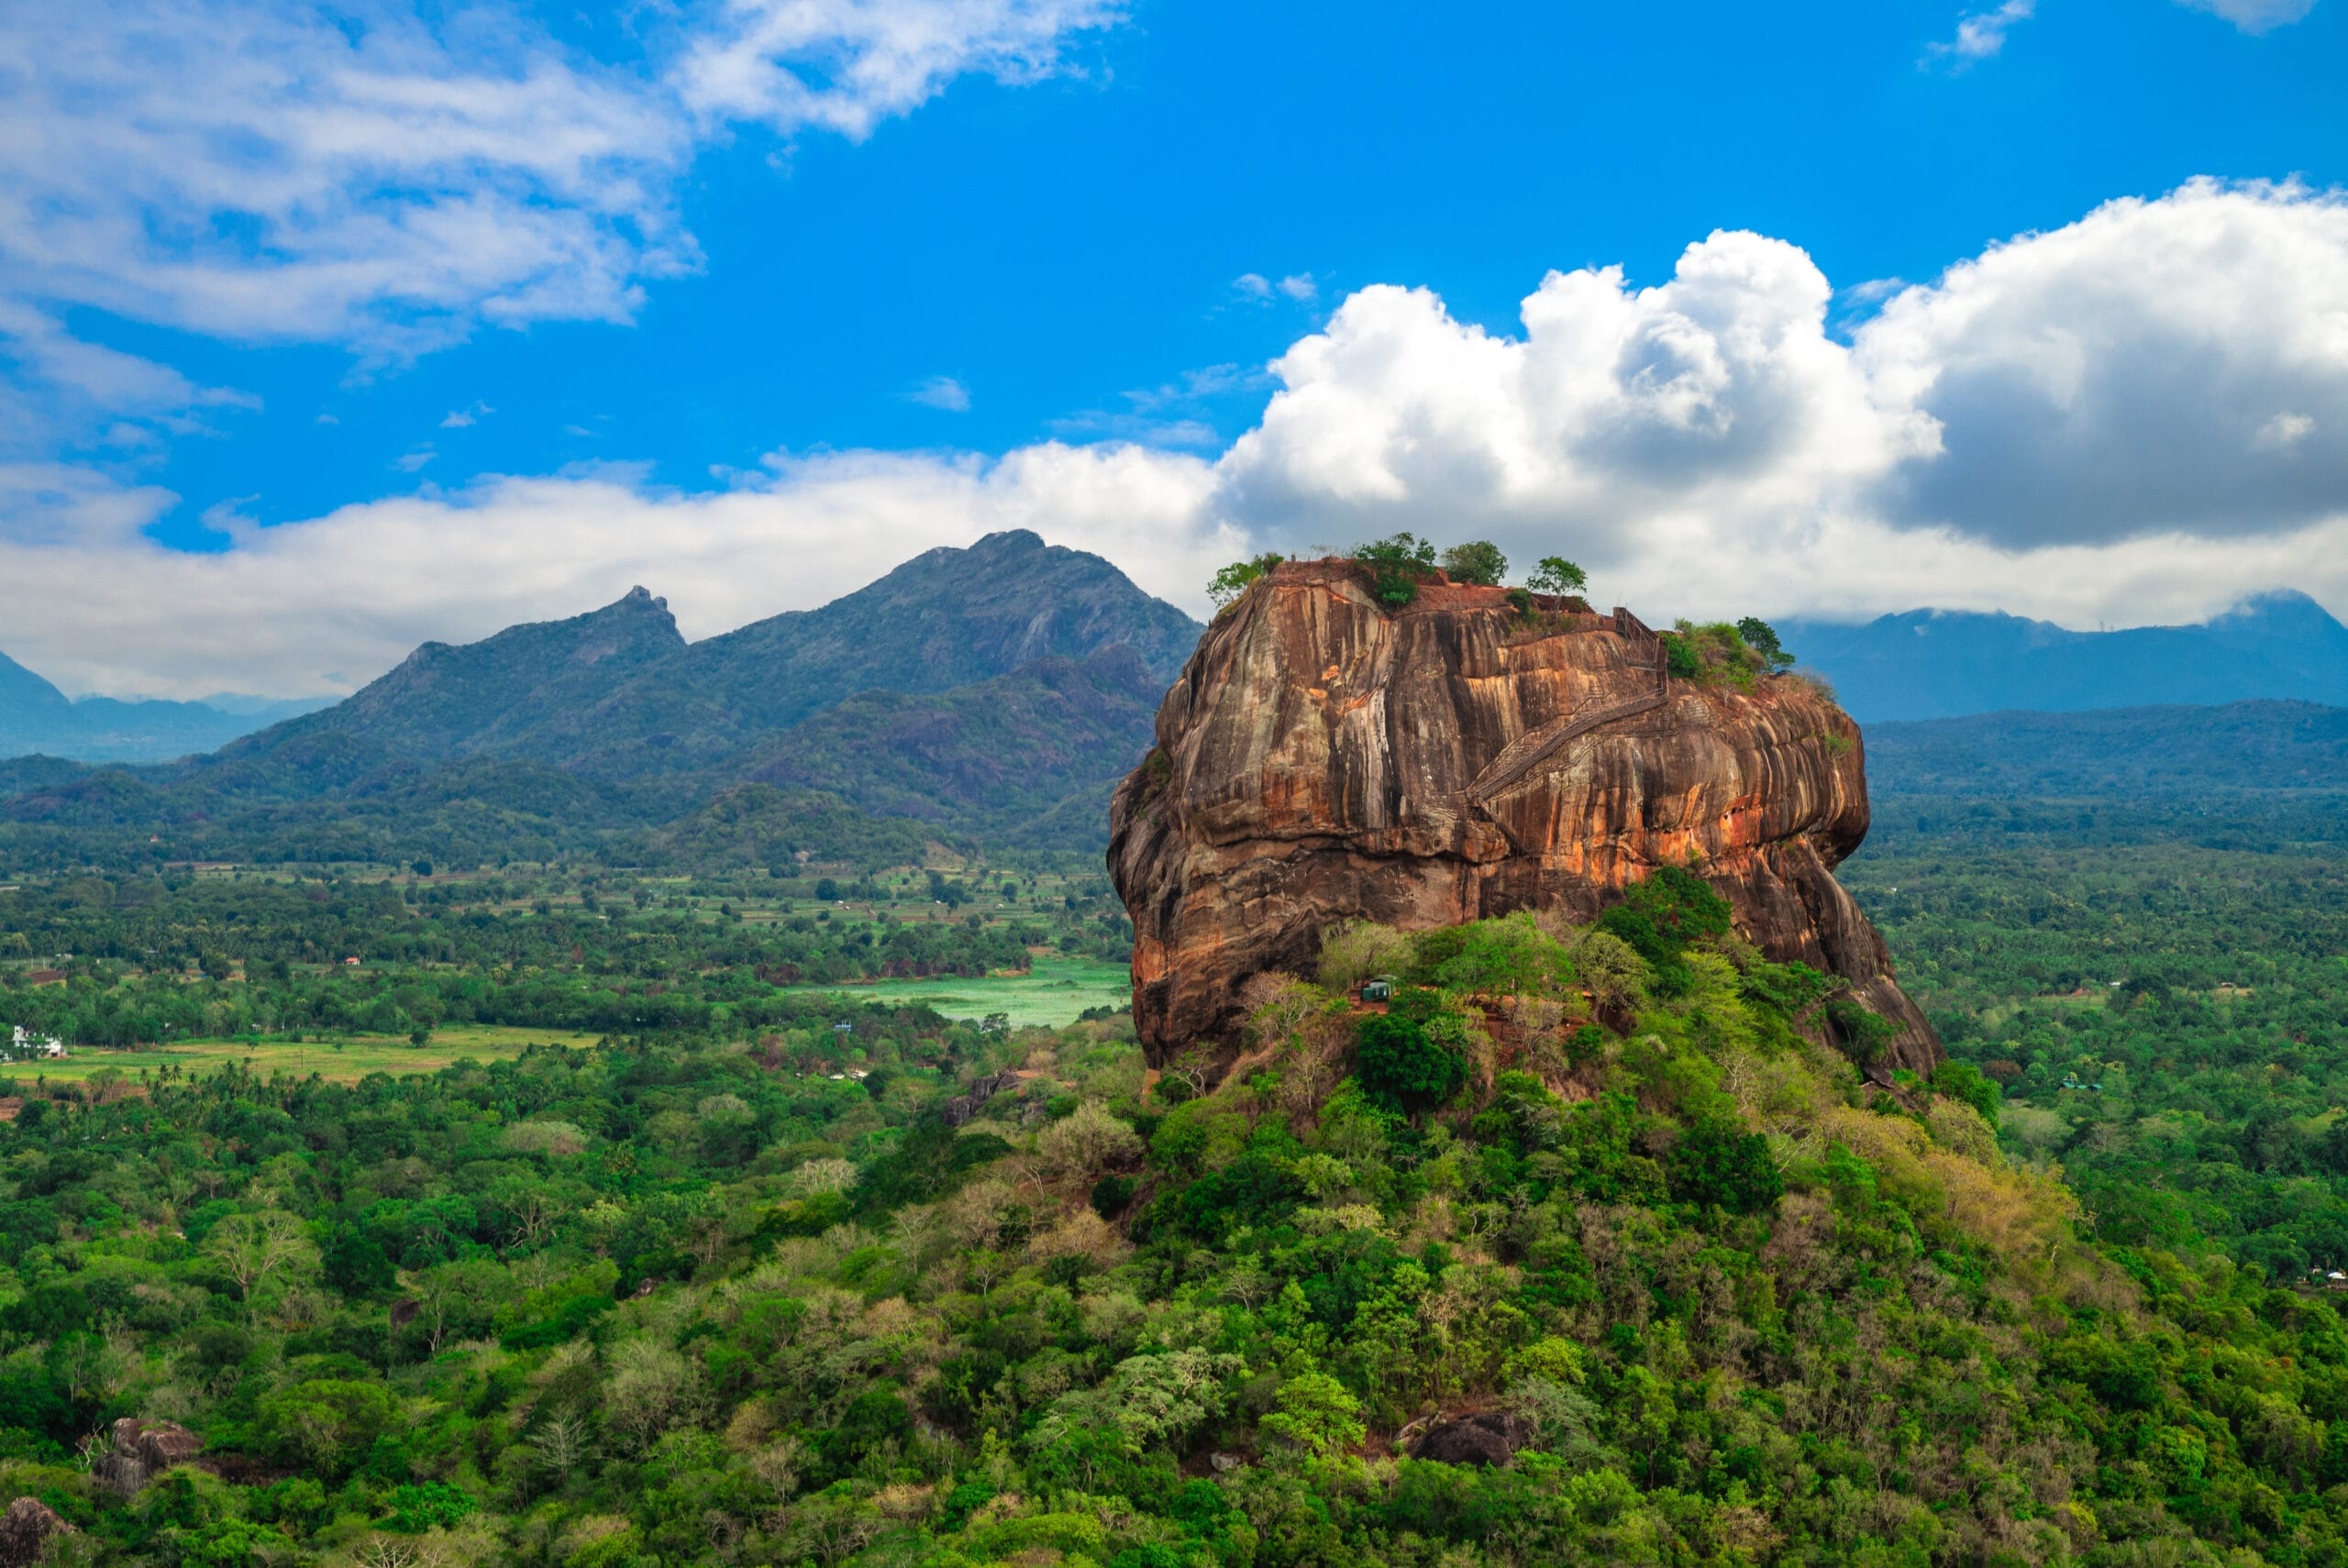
(26,1047)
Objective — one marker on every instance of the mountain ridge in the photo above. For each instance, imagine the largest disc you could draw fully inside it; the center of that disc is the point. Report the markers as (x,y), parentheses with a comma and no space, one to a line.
(1937,664)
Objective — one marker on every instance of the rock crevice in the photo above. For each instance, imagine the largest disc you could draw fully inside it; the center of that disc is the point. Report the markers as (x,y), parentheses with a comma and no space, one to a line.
(1323,757)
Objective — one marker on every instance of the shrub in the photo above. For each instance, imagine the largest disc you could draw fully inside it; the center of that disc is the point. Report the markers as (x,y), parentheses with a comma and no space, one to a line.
(1398,1064)
(1397,563)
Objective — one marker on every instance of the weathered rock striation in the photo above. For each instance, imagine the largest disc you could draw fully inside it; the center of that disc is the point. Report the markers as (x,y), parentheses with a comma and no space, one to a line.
(1323,758)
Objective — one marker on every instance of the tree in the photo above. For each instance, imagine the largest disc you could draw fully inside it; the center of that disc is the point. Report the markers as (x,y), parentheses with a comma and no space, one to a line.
(1398,1063)
(1479,561)
(1762,638)
(1720,1163)
(1556,575)
(253,1249)
(1226,587)
(1315,1414)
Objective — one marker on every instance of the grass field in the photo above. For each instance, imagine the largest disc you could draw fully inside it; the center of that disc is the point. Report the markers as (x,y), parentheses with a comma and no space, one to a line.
(344,1061)
(1055,993)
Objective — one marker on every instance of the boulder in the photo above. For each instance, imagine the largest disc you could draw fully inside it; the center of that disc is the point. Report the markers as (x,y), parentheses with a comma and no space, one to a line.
(142,1449)
(1491,1437)
(25,1527)
(1323,757)
(963,1107)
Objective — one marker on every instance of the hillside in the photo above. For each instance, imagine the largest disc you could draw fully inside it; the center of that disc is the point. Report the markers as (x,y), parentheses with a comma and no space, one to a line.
(1929,663)
(996,691)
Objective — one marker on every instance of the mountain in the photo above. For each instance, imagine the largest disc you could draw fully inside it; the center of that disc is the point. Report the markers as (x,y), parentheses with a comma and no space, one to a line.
(35,718)
(1929,664)
(619,695)
(994,691)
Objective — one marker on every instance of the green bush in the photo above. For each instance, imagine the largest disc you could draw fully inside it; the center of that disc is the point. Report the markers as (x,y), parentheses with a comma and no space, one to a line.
(1397,563)
(1720,1165)
(1226,587)
(1398,1063)
(1962,1080)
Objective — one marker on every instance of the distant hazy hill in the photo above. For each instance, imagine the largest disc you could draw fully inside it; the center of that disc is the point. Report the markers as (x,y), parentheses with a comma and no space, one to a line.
(35,718)
(2172,752)
(997,692)
(1928,664)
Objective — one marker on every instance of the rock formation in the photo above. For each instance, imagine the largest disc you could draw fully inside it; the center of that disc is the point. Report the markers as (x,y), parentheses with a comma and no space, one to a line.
(139,1451)
(1323,757)
(25,1529)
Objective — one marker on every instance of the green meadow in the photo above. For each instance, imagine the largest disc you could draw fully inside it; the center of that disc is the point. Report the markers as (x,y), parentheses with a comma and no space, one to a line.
(345,1059)
(1055,993)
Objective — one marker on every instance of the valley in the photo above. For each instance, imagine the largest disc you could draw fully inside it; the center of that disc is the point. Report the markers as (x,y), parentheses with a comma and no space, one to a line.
(481,1143)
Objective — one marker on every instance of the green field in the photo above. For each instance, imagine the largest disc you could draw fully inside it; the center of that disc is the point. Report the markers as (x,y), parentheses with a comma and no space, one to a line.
(344,1060)
(1053,994)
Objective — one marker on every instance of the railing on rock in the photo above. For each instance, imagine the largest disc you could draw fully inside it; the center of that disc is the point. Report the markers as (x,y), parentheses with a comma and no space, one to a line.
(1536,745)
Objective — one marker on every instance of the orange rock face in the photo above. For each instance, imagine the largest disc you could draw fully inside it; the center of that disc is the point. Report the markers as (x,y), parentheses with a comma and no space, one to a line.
(1323,757)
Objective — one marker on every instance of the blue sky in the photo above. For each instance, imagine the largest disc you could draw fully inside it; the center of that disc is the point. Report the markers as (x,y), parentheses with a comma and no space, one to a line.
(748,301)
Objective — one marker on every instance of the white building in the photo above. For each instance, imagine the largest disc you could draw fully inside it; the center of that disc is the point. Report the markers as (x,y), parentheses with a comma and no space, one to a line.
(22,1046)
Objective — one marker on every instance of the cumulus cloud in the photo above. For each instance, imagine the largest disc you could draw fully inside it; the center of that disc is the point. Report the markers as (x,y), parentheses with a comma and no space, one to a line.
(2132,419)
(2121,420)
(2255,15)
(2178,364)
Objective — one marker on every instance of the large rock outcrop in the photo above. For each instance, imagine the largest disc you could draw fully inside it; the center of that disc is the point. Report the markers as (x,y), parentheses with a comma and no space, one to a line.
(1323,757)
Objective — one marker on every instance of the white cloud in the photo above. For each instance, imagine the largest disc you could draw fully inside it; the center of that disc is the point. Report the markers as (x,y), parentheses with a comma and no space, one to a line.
(465,418)
(355,590)
(941,391)
(1982,34)
(57,390)
(2136,371)
(1253,288)
(410,462)
(2127,420)
(2255,15)
(845,65)
(270,170)
(2120,420)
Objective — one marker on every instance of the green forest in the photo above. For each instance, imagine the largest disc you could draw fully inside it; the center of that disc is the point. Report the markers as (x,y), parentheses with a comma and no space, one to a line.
(703,1293)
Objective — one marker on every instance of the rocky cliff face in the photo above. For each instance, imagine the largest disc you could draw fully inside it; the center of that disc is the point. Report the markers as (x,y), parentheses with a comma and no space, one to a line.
(1323,758)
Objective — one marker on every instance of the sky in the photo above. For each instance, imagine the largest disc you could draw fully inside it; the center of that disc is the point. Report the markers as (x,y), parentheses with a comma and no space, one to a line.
(327,329)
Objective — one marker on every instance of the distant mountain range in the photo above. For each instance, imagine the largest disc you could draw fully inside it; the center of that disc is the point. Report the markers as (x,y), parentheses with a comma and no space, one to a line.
(994,692)
(1933,664)
(36,717)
